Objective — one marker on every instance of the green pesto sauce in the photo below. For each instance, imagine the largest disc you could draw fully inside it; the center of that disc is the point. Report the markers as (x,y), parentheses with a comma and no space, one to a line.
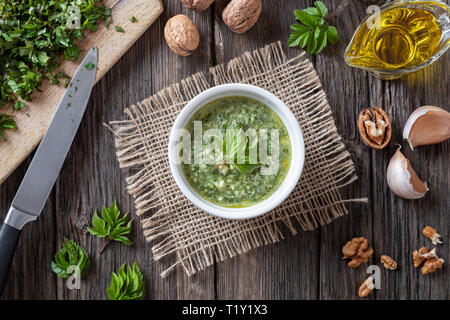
(226,185)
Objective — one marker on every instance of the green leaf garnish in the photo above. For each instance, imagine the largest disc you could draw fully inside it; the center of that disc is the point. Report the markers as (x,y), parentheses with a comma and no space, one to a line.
(111,226)
(239,144)
(119,29)
(6,122)
(312,33)
(71,255)
(127,284)
(133,19)
(33,36)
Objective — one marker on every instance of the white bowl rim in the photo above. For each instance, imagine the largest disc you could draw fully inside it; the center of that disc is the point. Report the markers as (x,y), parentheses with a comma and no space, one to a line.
(295,136)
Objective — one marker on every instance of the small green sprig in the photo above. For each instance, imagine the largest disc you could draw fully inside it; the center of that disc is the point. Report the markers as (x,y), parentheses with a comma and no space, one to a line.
(6,122)
(312,33)
(89,66)
(70,256)
(127,285)
(111,225)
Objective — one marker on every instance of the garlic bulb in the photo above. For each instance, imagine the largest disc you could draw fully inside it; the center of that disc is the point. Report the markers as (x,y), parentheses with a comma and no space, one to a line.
(403,180)
(427,125)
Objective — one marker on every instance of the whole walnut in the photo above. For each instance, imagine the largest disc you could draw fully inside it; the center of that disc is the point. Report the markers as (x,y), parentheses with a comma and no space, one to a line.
(181,35)
(198,5)
(241,15)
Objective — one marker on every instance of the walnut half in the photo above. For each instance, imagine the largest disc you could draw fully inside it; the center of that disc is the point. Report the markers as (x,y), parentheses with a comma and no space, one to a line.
(181,35)
(374,127)
(358,250)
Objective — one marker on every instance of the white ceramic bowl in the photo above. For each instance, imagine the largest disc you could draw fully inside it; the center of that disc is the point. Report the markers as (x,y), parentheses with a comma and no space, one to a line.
(295,135)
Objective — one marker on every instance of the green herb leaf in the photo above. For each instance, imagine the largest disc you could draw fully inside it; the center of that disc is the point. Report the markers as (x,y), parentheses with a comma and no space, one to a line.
(321,8)
(90,66)
(312,33)
(133,19)
(311,11)
(311,44)
(70,259)
(332,35)
(111,225)
(18,105)
(119,29)
(321,42)
(299,28)
(127,284)
(6,122)
(305,18)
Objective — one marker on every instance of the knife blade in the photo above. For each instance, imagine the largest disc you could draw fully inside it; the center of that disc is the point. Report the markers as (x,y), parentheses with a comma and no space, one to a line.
(41,175)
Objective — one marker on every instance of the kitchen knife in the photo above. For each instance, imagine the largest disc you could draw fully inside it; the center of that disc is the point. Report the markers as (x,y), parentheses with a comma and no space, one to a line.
(47,161)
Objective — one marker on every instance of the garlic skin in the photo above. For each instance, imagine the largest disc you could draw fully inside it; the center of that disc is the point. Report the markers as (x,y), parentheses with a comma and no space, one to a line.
(403,180)
(427,125)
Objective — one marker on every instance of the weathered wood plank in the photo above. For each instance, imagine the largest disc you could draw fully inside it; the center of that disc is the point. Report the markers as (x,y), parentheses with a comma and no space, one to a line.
(347,92)
(30,275)
(398,223)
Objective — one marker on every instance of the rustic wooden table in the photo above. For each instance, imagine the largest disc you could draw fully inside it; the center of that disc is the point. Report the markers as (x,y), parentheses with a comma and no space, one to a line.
(305,266)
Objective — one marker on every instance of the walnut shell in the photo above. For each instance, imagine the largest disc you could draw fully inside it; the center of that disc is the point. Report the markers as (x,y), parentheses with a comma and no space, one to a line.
(181,35)
(241,15)
(374,127)
(197,5)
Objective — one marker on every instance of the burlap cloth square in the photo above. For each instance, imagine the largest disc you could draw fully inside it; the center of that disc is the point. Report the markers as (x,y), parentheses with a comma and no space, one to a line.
(178,227)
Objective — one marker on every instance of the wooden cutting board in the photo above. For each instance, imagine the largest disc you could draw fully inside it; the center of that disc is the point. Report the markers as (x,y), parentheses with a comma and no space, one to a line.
(34,119)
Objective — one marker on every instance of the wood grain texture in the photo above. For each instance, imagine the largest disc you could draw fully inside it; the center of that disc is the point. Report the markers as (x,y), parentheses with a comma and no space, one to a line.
(305,266)
(34,119)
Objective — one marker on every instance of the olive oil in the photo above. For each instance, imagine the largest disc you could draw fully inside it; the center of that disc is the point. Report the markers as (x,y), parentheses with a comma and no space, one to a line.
(400,38)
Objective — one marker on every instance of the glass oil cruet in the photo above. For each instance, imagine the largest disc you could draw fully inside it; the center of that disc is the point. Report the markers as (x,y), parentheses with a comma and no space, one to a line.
(401,38)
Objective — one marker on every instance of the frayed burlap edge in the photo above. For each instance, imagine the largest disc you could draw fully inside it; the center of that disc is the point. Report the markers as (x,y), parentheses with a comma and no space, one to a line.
(198,239)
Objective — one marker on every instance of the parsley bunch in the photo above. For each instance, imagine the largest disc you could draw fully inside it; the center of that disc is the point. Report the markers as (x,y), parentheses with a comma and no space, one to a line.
(33,35)
(111,225)
(127,285)
(6,122)
(70,256)
(312,33)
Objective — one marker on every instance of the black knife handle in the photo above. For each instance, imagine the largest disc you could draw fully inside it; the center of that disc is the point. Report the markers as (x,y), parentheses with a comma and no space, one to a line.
(8,241)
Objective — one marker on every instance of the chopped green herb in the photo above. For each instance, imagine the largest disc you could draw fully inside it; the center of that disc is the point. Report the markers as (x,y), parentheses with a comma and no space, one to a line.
(127,284)
(90,66)
(119,29)
(69,104)
(33,35)
(6,122)
(312,33)
(71,259)
(133,19)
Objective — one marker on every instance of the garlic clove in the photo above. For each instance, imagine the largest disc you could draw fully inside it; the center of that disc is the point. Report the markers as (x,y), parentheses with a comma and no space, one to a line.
(427,125)
(403,180)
